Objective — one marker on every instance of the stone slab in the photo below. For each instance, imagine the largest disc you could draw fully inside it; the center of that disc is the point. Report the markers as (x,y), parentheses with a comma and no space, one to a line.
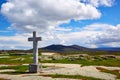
(34,68)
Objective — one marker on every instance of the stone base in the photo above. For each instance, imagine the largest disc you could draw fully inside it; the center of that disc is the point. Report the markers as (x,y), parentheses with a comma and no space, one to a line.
(34,68)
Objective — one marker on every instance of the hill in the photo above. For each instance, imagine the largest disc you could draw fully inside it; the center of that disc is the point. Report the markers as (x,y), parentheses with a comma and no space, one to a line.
(54,48)
(73,49)
(65,49)
(109,49)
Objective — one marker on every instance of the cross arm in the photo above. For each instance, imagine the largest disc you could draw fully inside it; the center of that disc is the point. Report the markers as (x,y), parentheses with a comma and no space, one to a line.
(30,39)
(37,39)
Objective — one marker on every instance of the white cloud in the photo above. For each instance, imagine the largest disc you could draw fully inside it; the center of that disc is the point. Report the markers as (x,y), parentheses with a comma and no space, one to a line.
(14,42)
(20,40)
(45,16)
(107,34)
(42,15)
(98,3)
(94,35)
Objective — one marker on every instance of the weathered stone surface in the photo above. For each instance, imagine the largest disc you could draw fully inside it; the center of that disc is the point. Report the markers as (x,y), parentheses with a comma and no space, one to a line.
(34,68)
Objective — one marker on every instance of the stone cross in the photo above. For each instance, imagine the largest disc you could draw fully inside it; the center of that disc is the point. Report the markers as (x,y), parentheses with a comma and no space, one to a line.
(34,67)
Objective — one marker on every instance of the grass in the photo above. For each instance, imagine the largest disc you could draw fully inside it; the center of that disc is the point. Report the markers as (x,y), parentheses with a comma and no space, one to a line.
(26,59)
(16,59)
(20,69)
(70,76)
(108,62)
(115,72)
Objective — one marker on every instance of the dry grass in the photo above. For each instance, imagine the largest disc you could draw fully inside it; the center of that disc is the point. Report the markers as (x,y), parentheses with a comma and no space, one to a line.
(114,72)
(69,76)
(4,79)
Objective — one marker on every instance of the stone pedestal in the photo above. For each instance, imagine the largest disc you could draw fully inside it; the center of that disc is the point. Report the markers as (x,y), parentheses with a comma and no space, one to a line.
(34,68)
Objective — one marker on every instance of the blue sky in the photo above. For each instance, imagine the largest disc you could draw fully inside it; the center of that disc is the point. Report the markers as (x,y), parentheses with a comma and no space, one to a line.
(88,23)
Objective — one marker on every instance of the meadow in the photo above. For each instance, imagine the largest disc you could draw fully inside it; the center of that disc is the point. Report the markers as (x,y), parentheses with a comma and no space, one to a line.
(19,63)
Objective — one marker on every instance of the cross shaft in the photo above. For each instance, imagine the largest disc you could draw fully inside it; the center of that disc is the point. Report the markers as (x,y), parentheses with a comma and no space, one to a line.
(35,47)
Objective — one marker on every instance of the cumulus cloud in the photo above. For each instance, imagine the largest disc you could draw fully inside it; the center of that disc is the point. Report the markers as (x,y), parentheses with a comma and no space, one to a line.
(98,3)
(94,35)
(107,34)
(14,42)
(45,16)
(41,15)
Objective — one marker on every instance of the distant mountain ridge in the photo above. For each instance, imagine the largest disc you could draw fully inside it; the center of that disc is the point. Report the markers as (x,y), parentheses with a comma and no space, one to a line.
(109,49)
(67,49)
(63,48)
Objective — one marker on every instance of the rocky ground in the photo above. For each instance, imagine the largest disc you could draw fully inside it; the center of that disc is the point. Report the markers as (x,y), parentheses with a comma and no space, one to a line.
(64,69)
(84,69)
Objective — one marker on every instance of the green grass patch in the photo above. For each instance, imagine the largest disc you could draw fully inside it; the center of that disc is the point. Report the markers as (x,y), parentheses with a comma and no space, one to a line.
(20,69)
(15,73)
(108,62)
(16,59)
(70,76)
(115,72)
